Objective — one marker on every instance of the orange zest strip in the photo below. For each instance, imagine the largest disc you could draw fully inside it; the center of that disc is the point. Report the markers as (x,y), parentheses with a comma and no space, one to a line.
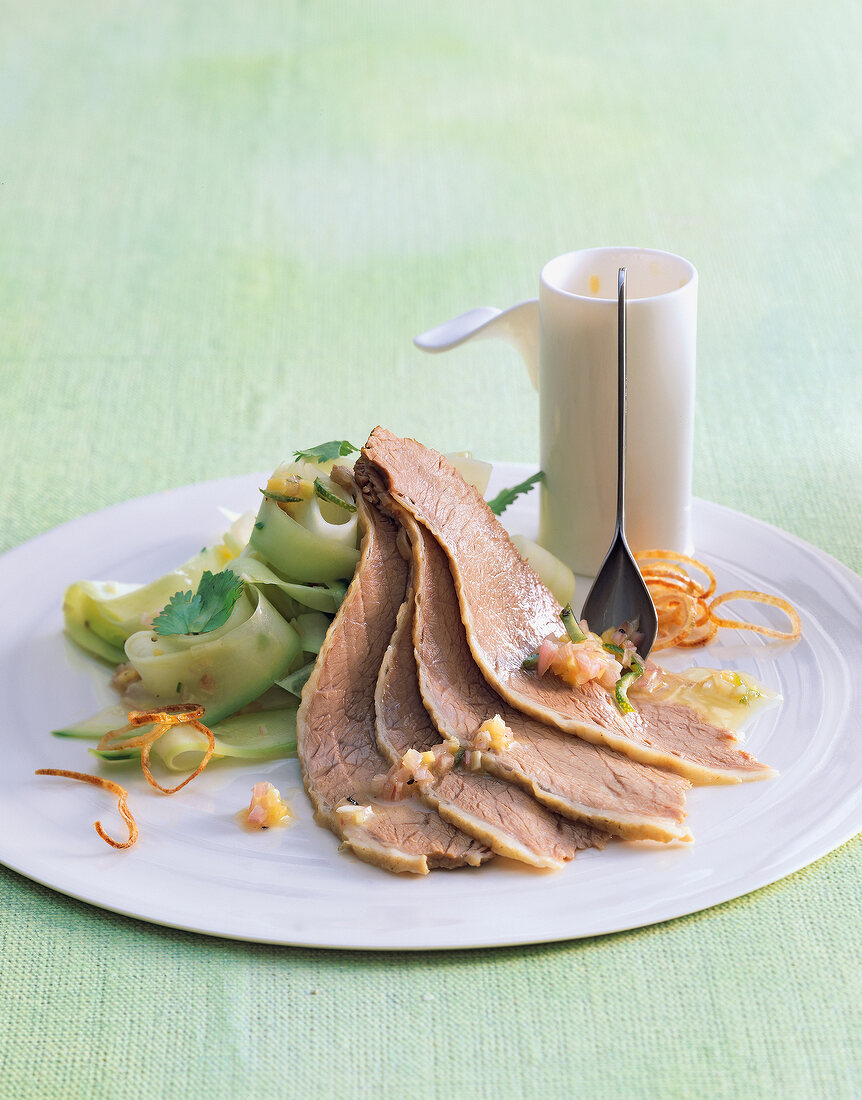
(644,556)
(664,583)
(174,714)
(759,597)
(108,742)
(686,614)
(705,627)
(161,721)
(145,757)
(676,620)
(106,785)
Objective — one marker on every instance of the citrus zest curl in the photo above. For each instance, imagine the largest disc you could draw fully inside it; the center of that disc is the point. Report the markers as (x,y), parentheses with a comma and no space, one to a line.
(759,597)
(175,714)
(685,606)
(106,785)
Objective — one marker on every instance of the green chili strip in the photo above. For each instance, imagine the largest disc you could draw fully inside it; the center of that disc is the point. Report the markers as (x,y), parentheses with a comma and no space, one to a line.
(280,498)
(622,688)
(332,498)
(571,624)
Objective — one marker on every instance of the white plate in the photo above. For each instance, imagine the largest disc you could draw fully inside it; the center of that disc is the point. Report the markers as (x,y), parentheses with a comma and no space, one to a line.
(194,868)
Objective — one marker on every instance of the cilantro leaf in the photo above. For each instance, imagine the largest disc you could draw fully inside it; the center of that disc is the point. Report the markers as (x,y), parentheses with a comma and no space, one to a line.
(205,610)
(506,496)
(336,448)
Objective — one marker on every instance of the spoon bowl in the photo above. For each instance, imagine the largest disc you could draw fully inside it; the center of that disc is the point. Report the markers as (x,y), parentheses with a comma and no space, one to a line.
(619,594)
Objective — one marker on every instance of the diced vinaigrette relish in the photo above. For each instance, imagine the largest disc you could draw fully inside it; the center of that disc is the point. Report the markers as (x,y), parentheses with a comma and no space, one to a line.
(493,734)
(725,683)
(418,764)
(415,767)
(348,814)
(267,807)
(420,767)
(579,662)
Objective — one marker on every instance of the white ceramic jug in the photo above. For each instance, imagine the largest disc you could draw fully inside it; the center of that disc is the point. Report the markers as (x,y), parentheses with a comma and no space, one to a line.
(568,340)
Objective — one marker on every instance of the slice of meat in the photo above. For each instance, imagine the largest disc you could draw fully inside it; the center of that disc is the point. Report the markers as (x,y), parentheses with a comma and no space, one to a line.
(572,776)
(335,720)
(504,817)
(507,611)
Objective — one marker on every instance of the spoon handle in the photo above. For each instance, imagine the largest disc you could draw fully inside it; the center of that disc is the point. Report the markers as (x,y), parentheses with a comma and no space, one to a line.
(621,399)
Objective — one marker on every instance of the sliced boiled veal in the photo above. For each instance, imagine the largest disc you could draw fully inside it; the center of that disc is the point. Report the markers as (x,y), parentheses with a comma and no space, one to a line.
(504,817)
(581,780)
(335,723)
(507,612)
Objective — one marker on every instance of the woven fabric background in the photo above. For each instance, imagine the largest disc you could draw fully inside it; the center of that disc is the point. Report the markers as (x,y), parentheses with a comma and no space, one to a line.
(220,227)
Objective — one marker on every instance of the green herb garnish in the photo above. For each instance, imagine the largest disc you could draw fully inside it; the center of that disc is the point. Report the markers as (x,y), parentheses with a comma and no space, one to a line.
(335,448)
(459,755)
(332,498)
(506,496)
(531,662)
(205,610)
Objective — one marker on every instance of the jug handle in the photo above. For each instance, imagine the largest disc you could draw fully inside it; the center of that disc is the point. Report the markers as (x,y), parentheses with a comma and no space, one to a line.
(518,326)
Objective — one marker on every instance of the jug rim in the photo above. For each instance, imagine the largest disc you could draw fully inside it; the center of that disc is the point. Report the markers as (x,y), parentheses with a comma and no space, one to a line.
(554,284)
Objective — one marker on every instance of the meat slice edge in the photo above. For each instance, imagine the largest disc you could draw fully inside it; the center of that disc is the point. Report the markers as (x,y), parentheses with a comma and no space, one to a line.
(507,611)
(573,777)
(335,721)
(504,817)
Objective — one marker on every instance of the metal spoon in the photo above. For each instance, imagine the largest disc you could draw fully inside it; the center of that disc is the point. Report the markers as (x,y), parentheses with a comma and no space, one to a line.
(619,594)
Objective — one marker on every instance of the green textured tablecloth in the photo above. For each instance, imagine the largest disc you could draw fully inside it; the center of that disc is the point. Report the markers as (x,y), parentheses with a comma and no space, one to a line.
(221,225)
